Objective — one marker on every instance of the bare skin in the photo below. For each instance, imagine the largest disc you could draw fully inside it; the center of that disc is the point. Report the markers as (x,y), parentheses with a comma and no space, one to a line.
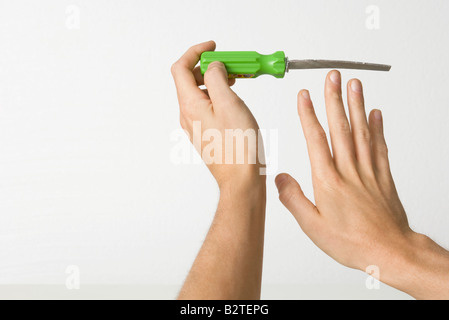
(357,218)
(229,264)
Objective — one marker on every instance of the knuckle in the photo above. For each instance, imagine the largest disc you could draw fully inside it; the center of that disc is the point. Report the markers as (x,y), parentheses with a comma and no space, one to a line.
(193,48)
(186,109)
(363,134)
(382,148)
(334,95)
(343,127)
(174,68)
(330,181)
(317,135)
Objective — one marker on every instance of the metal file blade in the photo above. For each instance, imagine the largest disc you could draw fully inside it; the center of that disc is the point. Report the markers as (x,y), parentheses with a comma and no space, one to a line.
(334,64)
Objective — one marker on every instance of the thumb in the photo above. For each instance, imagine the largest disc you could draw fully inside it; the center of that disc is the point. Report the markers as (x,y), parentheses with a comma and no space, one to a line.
(292,197)
(217,83)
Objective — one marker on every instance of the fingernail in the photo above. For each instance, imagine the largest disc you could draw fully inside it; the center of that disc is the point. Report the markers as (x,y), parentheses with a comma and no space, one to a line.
(215,64)
(378,115)
(305,94)
(356,85)
(335,77)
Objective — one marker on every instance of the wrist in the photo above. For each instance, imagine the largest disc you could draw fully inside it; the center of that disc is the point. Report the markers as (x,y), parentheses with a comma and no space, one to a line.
(420,270)
(244,193)
(246,190)
(242,181)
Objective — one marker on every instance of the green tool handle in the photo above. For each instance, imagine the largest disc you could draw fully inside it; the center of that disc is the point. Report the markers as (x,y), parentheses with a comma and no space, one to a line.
(246,64)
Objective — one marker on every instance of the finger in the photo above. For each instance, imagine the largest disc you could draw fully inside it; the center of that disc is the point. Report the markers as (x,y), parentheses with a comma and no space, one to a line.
(182,71)
(221,95)
(340,132)
(317,145)
(292,197)
(378,144)
(359,125)
(199,78)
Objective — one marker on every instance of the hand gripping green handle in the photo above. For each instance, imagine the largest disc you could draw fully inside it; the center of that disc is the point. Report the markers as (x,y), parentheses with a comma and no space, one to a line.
(246,64)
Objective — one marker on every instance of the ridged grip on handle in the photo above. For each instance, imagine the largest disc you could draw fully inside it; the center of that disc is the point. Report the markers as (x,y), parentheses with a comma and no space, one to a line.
(246,64)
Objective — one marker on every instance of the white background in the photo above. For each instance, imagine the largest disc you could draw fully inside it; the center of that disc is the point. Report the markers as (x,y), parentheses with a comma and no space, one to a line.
(86,117)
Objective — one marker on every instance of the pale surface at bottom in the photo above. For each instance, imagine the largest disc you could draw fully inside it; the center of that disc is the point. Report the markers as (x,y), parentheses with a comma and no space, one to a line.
(168,292)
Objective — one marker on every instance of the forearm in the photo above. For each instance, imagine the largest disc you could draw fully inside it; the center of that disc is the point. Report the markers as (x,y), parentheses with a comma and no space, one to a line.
(229,264)
(422,269)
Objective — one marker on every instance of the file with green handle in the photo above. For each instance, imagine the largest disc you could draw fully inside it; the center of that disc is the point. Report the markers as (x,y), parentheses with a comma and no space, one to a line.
(250,64)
